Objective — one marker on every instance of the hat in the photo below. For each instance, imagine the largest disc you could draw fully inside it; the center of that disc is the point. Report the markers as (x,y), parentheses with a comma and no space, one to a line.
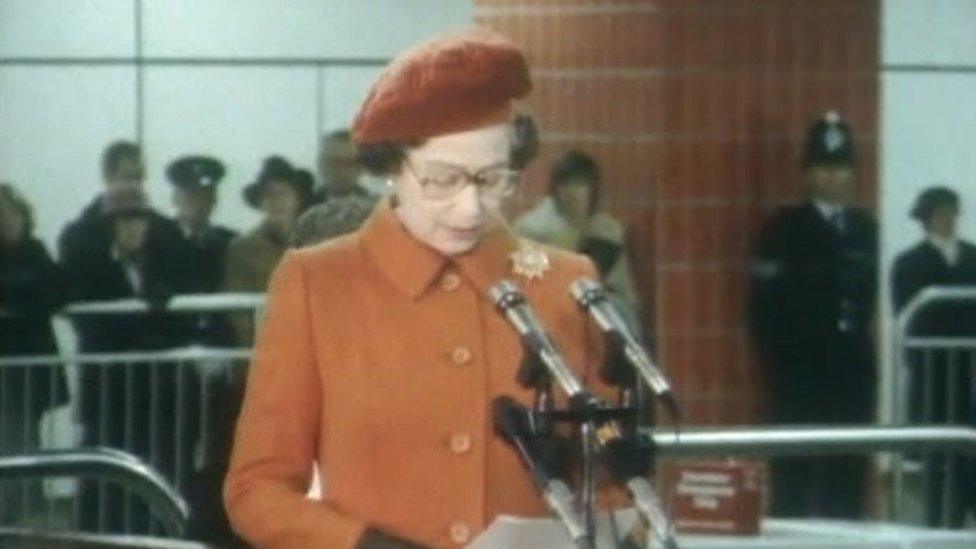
(830,142)
(125,201)
(931,199)
(450,84)
(276,168)
(203,172)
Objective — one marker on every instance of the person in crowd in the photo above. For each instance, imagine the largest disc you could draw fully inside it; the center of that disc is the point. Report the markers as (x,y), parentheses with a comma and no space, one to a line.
(397,314)
(940,259)
(88,238)
(341,202)
(202,249)
(31,288)
(340,171)
(814,286)
(570,217)
(281,192)
(200,245)
(129,267)
(195,181)
(122,405)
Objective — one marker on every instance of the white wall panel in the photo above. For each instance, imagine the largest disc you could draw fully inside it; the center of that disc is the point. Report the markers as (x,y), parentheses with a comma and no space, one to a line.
(67,28)
(54,124)
(940,32)
(343,90)
(295,28)
(238,114)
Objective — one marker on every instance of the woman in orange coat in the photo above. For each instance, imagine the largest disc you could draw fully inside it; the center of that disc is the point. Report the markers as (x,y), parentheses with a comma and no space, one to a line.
(380,353)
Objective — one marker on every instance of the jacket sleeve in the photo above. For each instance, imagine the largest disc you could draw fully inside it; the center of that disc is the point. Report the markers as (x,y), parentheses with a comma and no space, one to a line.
(278,432)
(236,280)
(904,286)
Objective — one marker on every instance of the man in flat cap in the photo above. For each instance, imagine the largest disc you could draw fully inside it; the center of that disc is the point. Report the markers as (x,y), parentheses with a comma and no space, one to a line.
(813,298)
(940,259)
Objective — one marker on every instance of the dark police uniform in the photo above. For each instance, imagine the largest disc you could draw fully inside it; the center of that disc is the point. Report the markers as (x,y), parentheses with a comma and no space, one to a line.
(813,298)
(915,269)
(200,271)
(200,265)
(204,268)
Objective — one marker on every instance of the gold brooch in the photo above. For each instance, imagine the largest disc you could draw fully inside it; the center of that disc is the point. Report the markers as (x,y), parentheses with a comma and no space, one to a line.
(529,261)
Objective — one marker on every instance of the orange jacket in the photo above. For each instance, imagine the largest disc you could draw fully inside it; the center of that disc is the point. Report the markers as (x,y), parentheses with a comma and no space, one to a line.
(378,360)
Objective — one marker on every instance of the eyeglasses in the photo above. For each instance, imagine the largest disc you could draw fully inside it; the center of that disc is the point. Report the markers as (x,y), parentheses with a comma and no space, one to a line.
(442,182)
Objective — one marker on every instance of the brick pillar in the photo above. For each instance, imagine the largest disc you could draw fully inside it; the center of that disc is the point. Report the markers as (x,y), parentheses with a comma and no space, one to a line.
(697,111)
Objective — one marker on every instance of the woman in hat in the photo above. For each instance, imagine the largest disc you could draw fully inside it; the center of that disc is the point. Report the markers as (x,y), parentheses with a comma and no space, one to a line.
(281,192)
(940,259)
(381,353)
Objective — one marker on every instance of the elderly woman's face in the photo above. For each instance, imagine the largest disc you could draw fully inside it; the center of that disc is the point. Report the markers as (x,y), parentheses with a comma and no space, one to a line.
(281,203)
(453,221)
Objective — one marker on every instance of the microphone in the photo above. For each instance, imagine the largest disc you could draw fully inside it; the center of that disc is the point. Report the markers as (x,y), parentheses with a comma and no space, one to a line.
(628,460)
(509,300)
(591,296)
(513,422)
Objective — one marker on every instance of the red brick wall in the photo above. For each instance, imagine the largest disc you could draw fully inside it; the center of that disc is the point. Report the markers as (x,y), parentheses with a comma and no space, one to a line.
(697,110)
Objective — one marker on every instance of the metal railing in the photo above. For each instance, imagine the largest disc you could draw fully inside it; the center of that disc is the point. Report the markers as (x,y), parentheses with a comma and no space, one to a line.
(171,407)
(811,440)
(108,464)
(196,303)
(933,379)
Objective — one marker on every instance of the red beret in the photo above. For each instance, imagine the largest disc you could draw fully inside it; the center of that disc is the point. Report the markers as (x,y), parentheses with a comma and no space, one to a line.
(447,85)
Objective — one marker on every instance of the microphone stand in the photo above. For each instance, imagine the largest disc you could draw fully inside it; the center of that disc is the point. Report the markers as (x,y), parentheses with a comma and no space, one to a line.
(533,374)
(588,492)
(628,459)
(632,396)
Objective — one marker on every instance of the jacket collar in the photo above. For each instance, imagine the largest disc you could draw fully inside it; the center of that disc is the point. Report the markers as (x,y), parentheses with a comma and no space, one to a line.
(413,267)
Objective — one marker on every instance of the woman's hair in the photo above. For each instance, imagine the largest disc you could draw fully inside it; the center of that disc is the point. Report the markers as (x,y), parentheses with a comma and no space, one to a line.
(384,158)
(10,194)
(575,166)
(930,200)
(525,141)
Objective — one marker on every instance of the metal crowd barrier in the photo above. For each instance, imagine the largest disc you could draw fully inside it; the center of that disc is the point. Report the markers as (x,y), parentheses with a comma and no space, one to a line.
(113,465)
(933,383)
(173,408)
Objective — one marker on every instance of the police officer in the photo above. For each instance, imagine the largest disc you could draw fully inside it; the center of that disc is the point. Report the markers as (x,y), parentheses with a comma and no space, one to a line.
(195,180)
(203,246)
(813,294)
